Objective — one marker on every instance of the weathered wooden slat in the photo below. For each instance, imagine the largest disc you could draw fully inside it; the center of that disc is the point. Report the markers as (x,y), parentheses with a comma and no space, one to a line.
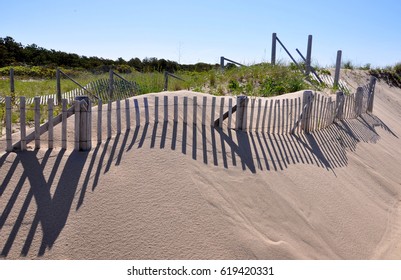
(252,113)
(37,122)
(221,112)
(269,123)
(213,111)
(230,112)
(22,117)
(146,104)
(185,109)
(137,113)
(9,139)
(99,121)
(204,105)
(127,115)
(165,118)
(118,116)
(195,110)
(50,118)
(258,114)
(109,107)
(156,109)
(175,109)
(77,106)
(264,117)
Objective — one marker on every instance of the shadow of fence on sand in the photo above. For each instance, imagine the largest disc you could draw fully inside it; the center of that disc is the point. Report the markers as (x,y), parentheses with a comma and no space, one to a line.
(53,182)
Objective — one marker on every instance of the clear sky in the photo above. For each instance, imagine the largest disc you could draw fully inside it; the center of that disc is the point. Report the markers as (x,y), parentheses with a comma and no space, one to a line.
(202,31)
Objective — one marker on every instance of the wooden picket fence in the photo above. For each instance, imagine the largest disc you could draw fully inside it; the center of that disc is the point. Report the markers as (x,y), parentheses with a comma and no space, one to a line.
(306,112)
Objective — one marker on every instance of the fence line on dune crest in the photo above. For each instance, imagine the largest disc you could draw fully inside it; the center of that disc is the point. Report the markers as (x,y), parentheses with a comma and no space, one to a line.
(293,115)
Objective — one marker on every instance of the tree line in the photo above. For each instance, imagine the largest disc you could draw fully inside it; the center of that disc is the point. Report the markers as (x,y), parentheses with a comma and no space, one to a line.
(13,53)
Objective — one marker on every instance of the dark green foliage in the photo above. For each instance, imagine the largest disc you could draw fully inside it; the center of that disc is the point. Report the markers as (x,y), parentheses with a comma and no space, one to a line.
(391,75)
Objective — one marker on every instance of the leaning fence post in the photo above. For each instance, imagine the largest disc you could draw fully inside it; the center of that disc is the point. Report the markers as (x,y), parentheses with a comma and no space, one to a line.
(371,95)
(338,67)
(221,63)
(274,41)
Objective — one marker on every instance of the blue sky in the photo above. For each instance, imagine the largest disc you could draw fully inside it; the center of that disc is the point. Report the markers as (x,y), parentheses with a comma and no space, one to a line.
(202,31)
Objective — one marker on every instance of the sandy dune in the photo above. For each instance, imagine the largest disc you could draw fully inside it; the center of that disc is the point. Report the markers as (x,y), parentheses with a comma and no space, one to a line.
(191,192)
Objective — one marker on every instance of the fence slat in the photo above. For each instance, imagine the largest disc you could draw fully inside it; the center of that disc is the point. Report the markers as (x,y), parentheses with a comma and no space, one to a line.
(204,105)
(109,107)
(230,112)
(146,104)
(118,115)
(137,113)
(37,122)
(127,114)
(195,109)
(22,106)
(165,119)
(64,124)
(264,117)
(270,116)
(213,112)
(221,112)
(99,121)
(77,113)
(50,103)
(156,109)
(8,125)
(185,109)
(175,109)
(252,113)
(258,113)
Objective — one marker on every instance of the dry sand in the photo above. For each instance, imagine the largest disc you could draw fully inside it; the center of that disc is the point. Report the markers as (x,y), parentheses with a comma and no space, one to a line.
(165,192)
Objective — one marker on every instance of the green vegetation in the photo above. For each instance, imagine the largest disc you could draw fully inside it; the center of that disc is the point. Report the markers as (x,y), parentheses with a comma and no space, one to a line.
(391,74)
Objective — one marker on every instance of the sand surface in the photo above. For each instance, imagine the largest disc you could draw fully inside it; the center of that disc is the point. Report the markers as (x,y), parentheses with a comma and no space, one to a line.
(191,192)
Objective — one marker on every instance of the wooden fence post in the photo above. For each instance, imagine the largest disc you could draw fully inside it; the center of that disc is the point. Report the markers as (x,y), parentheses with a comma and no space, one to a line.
(273,56)
(371,95)
(307,109)
(83,124)
(99,121)
(165,81)
(241,103)
(340,98)
(12,87)
(358,101)
(309,55)
(338,67)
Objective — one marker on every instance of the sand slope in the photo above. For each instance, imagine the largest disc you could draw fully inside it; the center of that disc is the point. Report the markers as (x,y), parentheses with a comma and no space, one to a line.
(192,192)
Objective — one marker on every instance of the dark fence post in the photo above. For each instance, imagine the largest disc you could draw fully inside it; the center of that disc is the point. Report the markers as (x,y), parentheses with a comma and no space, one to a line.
(241,103)
(340,98)
(309,55)
(58,86)
(307,101)
(85,124)
(221,63)
(274,41)
(338,67)
(358,101)
(371,95)
(12,88)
